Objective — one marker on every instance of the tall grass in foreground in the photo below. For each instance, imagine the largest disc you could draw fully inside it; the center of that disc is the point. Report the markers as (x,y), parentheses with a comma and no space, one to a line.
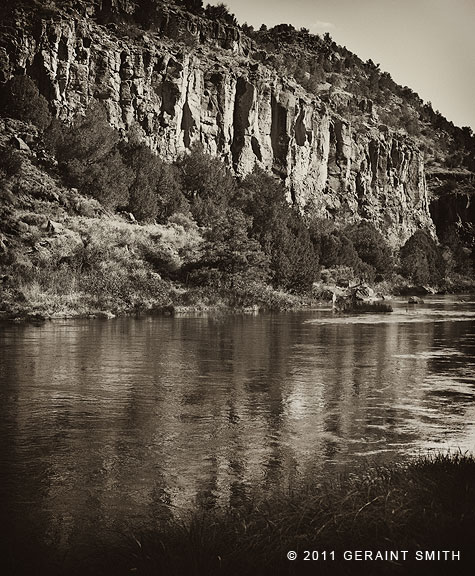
(428,504)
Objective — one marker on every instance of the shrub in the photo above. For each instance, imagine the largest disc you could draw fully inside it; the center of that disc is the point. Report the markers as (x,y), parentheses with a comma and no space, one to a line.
(280,230)
(336,249)
(21,99)
(10,161)
(457,243)
(170,198)
(194,6)
(421,259)
(247,29)
(295,262)
(371,247)
(154,191)
(230,258)
(221,12)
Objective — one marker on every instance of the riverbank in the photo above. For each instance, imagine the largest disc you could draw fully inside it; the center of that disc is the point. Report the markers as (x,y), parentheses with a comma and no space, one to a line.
(64,255)
(89,296)
(37,306)
(420,515)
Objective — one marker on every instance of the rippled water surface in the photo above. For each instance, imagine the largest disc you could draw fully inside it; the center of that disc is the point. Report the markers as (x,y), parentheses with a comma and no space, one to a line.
(111,422)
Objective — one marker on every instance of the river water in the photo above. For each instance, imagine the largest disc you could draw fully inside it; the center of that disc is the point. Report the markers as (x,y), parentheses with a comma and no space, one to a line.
(112,423)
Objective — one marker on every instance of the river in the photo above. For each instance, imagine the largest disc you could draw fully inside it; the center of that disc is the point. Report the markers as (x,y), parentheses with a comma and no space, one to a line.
(109,424)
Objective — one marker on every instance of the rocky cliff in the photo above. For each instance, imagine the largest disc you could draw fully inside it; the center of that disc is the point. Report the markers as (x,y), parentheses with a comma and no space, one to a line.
(452,207)
(188,80)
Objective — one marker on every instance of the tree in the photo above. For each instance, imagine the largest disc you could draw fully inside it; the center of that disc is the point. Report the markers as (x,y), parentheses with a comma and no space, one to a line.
(247,29)
(195,6)
(146,169)
(459,247)
(371,247)
(230,258)
(21,99)
(207,184)
(295,261)
(90,160)
(221,12)
(421,259)
(146,12)
(280,230)
(10,161)
(154,191)
(373,83)
(335,248)
(170,198)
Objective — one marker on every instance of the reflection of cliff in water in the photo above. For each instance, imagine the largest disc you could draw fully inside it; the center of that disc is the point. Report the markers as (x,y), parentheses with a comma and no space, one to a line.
(128,420)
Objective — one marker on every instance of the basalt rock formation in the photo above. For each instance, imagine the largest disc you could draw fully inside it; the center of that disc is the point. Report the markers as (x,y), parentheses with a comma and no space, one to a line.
(187,79)
(452,207)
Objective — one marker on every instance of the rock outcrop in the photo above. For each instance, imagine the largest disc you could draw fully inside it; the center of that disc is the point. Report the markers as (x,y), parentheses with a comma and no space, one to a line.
(191,80)
(452,204)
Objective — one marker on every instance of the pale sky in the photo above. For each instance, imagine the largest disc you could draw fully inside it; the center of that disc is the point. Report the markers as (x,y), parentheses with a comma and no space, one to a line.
(428,45)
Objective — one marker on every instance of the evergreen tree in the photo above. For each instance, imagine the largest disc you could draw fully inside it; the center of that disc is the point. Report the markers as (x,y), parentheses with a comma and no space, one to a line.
(230,258)
(207,184)
(195,6)
(421,259)
(371,247)
(21,99)
(221,12)
(155,192)
(280,231)
(89,157)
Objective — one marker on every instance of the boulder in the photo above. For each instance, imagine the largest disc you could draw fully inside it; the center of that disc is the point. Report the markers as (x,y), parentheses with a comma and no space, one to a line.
(53,227)
(415,300)
(20,144)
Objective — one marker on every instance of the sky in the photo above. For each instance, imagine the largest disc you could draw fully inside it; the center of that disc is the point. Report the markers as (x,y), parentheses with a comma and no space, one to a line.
(428,45)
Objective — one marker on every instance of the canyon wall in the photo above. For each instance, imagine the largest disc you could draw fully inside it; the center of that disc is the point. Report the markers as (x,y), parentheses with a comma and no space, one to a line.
(190,80)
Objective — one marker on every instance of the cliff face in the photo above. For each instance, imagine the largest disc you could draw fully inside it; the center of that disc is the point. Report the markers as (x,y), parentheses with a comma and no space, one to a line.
(452,206)
(196,81)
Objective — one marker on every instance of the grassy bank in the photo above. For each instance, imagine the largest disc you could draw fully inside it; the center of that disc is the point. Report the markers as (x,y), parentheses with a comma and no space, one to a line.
(76,266)
(426,505)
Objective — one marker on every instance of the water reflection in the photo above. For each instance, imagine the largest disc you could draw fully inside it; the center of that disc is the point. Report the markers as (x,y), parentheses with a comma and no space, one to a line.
(126,421)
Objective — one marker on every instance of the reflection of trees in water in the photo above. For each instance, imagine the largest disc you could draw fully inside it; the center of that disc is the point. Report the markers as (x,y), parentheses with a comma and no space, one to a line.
(453,361)
(55,487)
(132,419)
(362,383)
